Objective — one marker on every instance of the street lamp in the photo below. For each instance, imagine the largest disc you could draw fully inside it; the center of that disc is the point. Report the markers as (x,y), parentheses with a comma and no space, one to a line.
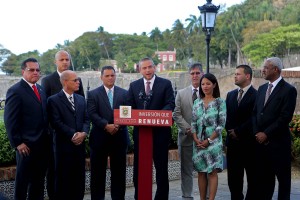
(208,16)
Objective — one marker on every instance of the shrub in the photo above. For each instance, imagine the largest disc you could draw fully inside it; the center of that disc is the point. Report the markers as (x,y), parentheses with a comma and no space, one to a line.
(295,131)
(7,153)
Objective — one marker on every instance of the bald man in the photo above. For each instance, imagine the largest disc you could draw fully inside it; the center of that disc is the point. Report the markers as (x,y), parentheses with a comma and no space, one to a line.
(68,117)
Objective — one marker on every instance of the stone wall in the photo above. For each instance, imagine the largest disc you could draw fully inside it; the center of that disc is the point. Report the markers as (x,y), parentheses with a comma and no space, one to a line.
(179,80)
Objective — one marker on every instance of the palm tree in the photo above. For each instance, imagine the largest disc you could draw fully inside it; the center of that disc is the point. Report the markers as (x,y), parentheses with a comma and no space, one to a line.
(194,24)
(156,36)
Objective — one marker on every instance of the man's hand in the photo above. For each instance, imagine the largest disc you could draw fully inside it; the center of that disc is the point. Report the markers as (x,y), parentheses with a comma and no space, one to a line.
(78,138)
(188,131)
(23,149)
(261,138)
(112,128)
(232,134)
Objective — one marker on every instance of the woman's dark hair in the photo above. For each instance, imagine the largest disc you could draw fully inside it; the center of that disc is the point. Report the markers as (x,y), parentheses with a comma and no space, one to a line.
(213,79)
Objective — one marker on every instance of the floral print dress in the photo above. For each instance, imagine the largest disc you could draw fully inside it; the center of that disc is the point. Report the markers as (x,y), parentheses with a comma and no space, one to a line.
(205,121)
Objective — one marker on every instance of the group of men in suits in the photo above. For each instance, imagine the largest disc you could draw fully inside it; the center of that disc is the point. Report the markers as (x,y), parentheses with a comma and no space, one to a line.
(59,149)
(258,138)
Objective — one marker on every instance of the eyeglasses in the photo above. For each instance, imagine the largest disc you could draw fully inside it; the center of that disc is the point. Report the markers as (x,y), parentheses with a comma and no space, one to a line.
(74,80)
(32,70)
(197,73)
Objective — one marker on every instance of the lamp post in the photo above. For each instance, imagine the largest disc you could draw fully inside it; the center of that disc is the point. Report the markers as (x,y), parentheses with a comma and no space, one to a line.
(208,16)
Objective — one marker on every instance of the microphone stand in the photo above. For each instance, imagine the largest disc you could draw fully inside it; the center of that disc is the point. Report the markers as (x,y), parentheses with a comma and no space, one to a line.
(145,98)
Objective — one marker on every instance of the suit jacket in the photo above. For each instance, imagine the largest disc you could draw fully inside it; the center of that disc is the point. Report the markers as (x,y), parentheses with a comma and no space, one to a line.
(239,117)
(25,117)
(65,121)
(52,85)
(273,118)
(183,115)
(162,97)
(101,114)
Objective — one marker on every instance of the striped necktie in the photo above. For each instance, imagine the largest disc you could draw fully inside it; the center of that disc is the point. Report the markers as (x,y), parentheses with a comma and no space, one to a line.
(72,102)
(268,93)
(240,96)
(194,97)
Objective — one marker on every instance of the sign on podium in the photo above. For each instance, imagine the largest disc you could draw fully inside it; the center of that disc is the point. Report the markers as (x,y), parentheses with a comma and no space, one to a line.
(145,119)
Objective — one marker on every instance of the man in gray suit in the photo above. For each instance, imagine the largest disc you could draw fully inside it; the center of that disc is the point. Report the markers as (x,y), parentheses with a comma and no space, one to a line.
(183,115)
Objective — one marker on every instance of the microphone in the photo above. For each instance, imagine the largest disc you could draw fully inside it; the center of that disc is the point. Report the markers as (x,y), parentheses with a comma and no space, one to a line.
(141,95)
(150,93)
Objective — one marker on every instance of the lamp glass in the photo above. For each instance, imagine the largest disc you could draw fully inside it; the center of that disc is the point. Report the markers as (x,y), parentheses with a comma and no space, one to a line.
(210,19)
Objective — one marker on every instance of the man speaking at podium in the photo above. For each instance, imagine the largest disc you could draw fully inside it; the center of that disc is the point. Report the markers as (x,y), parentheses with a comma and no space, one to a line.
(153,93)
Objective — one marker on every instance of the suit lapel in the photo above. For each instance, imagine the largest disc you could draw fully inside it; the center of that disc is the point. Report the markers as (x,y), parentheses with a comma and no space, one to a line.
(104,94)
(29,90)
(65,100)
(189,94)
(275,91)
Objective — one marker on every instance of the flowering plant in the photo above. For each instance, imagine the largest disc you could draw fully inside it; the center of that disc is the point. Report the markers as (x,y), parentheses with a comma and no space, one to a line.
(295,131)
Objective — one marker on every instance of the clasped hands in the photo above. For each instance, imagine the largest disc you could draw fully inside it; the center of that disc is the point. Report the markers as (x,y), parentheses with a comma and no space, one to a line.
(112,128)
(78,138)
(262,138)
(200,144)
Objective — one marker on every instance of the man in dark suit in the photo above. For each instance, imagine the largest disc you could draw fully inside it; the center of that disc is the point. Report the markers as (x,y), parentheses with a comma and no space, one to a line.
(273,110)
(107,139)
(161,97)
(69,119)
(26,123)
(52,85)
(240,140)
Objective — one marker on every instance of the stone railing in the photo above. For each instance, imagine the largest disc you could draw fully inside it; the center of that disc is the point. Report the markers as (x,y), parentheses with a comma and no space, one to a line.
(7,174)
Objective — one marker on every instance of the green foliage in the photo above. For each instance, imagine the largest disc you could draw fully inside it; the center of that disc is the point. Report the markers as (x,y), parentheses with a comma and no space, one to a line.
(295,130)
(174,132)
(278,42)
(7,154)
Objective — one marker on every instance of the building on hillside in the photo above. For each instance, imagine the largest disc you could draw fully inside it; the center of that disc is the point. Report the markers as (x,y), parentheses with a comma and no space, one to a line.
(167,60)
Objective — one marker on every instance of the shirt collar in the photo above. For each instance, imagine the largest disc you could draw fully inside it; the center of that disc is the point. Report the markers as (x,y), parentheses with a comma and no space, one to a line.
(245,89)
(106,89)
(275,82)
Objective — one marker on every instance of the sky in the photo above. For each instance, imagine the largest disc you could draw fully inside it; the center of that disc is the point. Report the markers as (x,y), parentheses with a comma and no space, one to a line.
(28,25)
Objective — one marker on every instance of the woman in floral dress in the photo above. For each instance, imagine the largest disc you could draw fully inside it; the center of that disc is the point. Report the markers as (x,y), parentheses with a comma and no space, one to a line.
(209,117)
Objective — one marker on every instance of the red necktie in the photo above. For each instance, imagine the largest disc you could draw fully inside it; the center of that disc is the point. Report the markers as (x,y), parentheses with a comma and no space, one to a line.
(36,92)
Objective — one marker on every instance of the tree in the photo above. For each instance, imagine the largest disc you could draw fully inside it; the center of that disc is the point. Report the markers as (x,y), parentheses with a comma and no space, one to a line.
(194,24)
(156,36)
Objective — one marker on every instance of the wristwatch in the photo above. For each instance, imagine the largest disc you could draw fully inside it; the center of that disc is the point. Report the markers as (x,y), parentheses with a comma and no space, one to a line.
(210,141)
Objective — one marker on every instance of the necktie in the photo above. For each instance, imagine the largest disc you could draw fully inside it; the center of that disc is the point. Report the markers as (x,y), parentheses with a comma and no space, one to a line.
(147,87)
(194,97)
(110,98)
(268,93)
(240,96)
(72,102)
(37,94)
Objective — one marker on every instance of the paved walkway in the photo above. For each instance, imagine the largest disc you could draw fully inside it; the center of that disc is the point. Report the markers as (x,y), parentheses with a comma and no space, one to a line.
(222,193)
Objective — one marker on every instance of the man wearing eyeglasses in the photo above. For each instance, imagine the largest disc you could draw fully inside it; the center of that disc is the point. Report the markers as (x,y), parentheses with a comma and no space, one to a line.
(26,123)
(68,117)
(183,115)
(52,85)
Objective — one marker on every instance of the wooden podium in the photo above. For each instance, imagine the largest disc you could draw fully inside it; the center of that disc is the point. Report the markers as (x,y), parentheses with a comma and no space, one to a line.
(145,119)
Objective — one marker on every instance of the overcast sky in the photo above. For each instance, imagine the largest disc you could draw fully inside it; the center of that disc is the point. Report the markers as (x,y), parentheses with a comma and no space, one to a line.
(28,25)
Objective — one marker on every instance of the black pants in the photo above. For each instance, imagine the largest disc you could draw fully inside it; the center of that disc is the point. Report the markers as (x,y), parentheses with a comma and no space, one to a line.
(240,159)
